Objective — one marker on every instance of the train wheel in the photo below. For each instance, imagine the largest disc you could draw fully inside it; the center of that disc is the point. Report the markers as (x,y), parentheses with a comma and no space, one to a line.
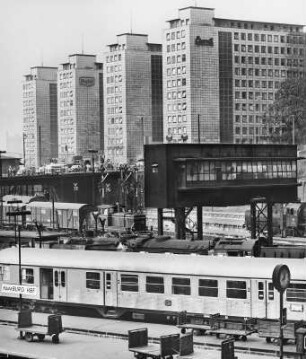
(28,337)
(244,338)
(183,331)
(41,337)
(55,339)
(268,340)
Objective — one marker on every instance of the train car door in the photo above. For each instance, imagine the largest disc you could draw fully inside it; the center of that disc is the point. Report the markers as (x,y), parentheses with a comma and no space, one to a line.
(46,283)
(263,299)
(111,289)
(272,301)
(259,299)
(60,284)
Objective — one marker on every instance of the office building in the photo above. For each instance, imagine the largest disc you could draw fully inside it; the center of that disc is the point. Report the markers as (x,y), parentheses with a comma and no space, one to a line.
(80,107)
(220,75)
(40,116)
(133,97)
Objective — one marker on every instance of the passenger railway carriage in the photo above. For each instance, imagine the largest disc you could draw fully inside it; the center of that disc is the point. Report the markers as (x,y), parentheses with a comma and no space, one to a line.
(141,284)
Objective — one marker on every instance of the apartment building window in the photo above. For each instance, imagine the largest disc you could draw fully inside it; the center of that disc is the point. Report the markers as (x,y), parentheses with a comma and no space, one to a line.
(263,37)
(256,48)
(236,35)
(236,47)
(256,37)
(243,48)
(243,37)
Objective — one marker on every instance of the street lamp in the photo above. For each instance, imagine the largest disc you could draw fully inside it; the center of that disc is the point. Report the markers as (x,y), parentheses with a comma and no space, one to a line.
(93,159)
(15,214)
(1,163)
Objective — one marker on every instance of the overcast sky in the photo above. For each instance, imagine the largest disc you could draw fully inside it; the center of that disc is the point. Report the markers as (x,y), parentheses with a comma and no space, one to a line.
(36,32)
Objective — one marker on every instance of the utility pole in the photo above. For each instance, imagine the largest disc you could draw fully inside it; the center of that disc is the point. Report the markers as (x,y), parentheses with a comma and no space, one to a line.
(1,163)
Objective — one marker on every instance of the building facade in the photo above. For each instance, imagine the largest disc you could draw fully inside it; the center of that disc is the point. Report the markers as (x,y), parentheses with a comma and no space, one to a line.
(40,116)
(80,107)
(132,97)
(220,75)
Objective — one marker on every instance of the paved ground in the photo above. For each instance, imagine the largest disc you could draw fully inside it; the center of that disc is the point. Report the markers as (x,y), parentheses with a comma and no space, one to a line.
(103,340)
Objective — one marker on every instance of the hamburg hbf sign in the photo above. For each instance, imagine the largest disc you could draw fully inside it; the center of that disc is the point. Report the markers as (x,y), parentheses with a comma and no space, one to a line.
(19,289)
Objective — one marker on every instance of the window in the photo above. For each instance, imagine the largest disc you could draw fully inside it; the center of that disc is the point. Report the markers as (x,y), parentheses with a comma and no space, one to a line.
(260,290)
(129,283)
(108,281)
(92,280)
(296,292)
(236,289)
(270,291)
(27,275)
(181,286)
(5,273)
(155,284)
(208,287)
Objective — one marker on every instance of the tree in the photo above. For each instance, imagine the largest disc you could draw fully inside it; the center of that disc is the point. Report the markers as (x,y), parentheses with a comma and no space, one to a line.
(286,117)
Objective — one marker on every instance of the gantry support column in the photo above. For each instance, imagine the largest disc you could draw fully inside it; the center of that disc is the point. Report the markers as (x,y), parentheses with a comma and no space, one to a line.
(160,222)
(180,226)
(200,222)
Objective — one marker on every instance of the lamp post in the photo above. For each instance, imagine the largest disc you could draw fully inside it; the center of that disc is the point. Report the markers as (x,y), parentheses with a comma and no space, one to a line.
(1,162)
(15,214)
(93,159)
(281,280)
(24,136)
(15,221)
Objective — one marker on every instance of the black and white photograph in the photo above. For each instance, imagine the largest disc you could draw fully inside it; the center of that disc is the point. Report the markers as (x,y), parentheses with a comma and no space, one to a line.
(152,179)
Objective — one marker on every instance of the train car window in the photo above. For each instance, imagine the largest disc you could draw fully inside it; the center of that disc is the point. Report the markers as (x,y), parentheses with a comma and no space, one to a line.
(236,289)
(181,286)
(155,284)
(270,291)
(296,292)
(260,290)
(208,288)
(5,273)
(28,275)
(92,280)
(63,279)
(129,283)
(108,281)
(56,278)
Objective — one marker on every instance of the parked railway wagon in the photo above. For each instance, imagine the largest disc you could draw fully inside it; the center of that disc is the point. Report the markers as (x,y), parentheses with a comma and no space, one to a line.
(71,216)
(140,285)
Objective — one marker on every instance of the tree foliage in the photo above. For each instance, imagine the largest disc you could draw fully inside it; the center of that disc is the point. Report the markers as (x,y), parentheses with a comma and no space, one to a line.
(286,117)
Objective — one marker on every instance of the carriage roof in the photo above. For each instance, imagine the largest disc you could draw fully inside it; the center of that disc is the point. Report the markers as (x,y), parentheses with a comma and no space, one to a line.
(58,205)
(212,266)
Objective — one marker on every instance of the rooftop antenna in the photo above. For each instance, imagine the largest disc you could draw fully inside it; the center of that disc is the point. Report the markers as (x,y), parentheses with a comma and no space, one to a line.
(131,21)
(82,44)
(42,57)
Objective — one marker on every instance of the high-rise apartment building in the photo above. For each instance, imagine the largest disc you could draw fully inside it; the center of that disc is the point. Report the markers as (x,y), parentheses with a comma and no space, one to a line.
(40,116)
(132,97)
(80,107)
(220,75)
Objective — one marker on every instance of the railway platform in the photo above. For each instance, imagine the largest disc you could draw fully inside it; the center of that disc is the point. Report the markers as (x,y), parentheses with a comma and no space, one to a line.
(89,334)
